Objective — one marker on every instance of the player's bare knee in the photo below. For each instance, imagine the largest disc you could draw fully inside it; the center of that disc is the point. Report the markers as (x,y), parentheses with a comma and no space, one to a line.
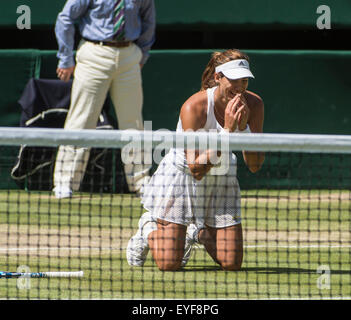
(169,265)
(231,266)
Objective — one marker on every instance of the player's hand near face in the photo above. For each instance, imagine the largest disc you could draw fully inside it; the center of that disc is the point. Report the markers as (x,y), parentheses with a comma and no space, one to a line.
(65,74)
(244,114)
(236,113)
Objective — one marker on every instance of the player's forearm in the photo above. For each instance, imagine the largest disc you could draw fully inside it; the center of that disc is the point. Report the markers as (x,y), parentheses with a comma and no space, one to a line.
(201,163)
(254,160)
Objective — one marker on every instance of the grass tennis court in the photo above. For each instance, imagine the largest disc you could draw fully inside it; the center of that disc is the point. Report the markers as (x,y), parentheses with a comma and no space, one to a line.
(288,234)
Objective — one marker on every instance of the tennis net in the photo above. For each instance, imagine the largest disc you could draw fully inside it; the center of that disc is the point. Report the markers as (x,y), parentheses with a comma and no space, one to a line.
(294,213)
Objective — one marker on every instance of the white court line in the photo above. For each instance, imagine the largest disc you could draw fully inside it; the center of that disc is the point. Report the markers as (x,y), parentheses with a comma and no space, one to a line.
(195,247)
(300,298)
(59,248)
(310,246)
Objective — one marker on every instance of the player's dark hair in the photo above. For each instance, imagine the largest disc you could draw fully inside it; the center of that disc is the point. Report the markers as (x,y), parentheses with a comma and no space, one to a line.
(217,59)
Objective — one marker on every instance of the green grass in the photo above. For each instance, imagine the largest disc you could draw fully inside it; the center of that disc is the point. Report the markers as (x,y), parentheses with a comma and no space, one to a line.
(288,235)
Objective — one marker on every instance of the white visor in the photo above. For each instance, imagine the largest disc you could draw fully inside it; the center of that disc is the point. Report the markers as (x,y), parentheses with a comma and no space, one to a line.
(235,69)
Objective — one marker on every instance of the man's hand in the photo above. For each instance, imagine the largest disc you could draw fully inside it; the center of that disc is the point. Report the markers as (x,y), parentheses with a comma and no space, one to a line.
(65,74)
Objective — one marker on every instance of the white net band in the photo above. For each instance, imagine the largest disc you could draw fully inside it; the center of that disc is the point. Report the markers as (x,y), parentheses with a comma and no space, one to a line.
(309,143)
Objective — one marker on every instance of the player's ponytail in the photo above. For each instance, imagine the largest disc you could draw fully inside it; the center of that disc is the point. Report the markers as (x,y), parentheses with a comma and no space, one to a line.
(217,59)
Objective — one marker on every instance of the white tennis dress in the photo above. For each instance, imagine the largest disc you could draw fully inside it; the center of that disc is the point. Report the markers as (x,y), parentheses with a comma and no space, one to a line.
(174,195)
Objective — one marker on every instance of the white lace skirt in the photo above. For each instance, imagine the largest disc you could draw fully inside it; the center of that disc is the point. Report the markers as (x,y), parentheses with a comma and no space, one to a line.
(175,196)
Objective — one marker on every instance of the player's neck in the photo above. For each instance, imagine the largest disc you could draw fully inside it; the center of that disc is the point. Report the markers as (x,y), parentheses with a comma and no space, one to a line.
(219,102)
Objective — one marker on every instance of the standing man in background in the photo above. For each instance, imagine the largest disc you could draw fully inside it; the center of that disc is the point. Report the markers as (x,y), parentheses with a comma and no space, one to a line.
(116,38)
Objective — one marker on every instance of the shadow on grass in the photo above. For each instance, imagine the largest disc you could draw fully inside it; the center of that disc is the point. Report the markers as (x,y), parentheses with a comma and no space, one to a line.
(265,270)
(286,270)
(201,268)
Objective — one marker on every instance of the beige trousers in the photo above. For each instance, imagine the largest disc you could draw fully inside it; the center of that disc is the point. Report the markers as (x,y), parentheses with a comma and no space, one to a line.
(99,70)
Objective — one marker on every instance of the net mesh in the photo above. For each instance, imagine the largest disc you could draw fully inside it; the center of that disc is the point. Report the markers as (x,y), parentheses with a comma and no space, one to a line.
(295,218)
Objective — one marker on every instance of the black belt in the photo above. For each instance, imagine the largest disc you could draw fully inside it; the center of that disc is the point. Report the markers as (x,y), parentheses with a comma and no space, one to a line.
(115,44)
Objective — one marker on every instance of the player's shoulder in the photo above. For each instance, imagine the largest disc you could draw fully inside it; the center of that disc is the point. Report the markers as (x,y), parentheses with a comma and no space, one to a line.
(196,105)
(254,100)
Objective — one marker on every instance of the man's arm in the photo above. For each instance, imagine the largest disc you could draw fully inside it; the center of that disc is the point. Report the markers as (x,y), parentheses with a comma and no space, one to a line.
(147,36)
(65,30)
